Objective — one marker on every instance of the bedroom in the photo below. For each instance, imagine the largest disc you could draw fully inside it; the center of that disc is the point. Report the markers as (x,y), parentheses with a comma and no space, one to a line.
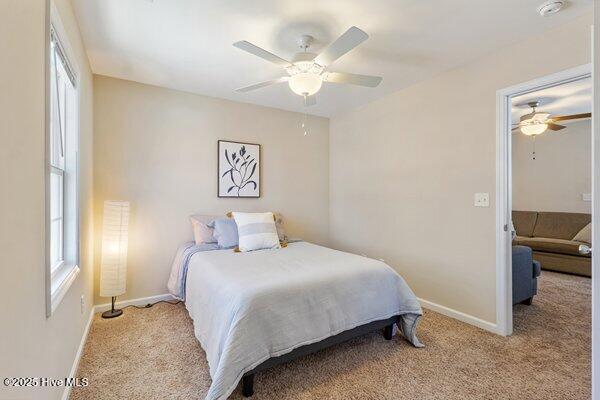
(386,175)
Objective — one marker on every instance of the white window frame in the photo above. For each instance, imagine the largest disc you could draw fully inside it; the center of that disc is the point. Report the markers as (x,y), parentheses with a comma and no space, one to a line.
(61,275)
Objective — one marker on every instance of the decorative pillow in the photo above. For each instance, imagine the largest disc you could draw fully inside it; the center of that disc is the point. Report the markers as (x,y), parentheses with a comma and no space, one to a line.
(226,232)
(585,234)
(202,232)
(279,225)
(256,231)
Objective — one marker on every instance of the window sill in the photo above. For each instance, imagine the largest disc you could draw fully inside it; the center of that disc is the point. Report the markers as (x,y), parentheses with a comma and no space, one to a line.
(62,279)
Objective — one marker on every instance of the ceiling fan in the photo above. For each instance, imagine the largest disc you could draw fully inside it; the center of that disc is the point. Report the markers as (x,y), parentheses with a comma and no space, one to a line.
(536,123)
(307,71)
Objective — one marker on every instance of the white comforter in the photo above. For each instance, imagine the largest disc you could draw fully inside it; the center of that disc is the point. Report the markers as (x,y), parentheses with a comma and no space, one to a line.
(248,307)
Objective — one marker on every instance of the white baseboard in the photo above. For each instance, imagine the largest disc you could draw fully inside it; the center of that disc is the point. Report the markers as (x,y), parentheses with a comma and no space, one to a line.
(101,308)
(134,302)
(73,373)
(469,319)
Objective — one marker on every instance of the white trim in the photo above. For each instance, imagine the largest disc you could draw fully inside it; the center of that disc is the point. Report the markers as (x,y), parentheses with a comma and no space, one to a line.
(469,319)
(53,21)
(596,208)
(142,301)
(503,185)
(73,373)
(503,205)
(101,308)
(66,281)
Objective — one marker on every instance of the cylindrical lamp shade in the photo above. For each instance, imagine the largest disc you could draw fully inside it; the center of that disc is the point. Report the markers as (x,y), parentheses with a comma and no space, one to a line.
(113,267)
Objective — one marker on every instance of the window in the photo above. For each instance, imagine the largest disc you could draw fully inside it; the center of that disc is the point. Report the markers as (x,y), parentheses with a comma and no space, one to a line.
(62,186)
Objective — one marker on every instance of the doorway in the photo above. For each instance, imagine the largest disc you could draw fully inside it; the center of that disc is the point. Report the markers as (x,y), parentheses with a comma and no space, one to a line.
(504,191)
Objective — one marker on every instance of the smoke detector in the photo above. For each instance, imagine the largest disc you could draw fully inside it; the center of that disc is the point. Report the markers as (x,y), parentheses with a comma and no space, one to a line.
(551,7)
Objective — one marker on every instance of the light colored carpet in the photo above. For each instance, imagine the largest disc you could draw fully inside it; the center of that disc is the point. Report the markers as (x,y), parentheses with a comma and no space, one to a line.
(153,354)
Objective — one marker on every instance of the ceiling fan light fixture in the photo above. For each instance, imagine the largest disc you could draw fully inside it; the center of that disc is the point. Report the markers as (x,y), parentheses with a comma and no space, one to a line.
(534,123)
(534,129)
(307,70)
(305,83)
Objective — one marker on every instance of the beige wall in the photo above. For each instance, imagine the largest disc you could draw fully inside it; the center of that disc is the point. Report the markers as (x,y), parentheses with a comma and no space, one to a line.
(561,172)
(405,167)
(32,345)
(157,148)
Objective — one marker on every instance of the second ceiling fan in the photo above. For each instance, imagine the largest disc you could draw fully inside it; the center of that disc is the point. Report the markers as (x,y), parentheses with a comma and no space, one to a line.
(536,123)
(307,71)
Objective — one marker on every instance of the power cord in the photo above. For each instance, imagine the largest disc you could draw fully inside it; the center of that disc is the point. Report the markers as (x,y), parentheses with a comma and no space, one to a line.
(149,305)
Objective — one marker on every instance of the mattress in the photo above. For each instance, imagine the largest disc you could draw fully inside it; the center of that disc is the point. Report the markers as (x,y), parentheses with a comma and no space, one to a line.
(248,307)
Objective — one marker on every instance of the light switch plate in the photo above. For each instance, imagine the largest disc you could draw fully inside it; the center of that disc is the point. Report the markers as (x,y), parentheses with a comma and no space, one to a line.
(586,196)
(482,199)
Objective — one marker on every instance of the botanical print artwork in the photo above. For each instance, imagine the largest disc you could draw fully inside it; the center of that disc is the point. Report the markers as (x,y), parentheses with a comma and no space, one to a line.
(239,169)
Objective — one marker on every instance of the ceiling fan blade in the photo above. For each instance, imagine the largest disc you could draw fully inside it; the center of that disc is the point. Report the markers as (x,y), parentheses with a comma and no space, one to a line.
(349,40)
(574,116)
(262,84)
(555,127)
(262,53)
(310,100)
(353,79)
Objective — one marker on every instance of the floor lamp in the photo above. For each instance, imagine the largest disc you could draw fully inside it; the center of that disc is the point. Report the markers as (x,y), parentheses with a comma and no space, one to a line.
(113,267)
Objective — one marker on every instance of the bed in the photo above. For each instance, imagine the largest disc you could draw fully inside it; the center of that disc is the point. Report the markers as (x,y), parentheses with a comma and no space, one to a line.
(254,310)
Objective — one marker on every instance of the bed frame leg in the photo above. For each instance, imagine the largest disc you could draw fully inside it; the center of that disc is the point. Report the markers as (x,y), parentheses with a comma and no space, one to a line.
(248,385)
(388,332)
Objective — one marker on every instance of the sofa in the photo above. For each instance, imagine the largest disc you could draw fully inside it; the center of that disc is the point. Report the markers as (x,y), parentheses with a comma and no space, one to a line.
(525,271)
(551,236)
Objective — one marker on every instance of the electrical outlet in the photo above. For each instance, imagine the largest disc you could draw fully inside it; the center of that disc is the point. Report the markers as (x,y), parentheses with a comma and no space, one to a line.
(482,199)
(586,196)
(82,303)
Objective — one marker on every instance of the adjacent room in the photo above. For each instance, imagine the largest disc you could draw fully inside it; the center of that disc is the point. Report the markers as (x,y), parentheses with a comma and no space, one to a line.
(551,203)
(298,200)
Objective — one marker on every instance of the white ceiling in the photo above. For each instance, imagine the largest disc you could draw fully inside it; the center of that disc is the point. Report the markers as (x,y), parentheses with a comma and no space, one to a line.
(569,98)
(186,44)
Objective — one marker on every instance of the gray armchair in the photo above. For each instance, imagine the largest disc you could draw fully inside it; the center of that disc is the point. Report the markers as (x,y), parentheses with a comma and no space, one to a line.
(525,271)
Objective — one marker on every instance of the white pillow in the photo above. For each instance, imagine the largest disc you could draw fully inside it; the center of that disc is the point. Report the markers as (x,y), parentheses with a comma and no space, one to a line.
(256,231)
(585,234)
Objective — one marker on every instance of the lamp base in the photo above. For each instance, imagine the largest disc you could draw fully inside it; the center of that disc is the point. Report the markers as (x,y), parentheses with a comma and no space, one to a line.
(112,313)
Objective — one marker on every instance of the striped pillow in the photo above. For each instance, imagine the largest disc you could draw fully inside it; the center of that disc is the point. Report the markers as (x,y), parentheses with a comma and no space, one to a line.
(256,231)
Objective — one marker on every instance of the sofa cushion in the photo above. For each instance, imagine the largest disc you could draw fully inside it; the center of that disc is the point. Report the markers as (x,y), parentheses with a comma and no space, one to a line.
(559,225)
(549,245)
(524,222)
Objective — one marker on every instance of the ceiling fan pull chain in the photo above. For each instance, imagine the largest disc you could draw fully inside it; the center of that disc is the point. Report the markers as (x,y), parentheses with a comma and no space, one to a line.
(305,122)
(533,139)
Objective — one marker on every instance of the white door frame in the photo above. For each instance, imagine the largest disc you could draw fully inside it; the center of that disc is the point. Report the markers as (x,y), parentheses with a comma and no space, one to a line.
(504,321)
(596,206)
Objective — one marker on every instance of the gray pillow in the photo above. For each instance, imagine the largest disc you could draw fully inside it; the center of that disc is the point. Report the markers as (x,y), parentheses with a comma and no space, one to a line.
(225,231)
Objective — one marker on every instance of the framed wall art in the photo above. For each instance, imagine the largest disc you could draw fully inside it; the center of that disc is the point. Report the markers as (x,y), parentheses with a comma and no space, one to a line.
(238,169)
